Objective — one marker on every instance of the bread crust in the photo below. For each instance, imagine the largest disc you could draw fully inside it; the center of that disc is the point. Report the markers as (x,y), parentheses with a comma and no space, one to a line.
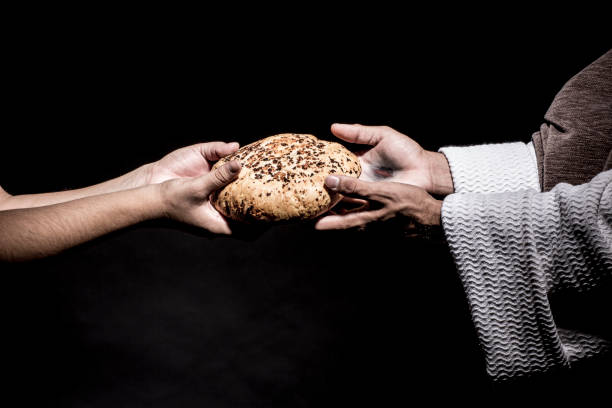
(283,178)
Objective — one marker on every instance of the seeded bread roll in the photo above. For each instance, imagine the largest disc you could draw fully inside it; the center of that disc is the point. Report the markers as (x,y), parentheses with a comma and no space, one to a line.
(283,178)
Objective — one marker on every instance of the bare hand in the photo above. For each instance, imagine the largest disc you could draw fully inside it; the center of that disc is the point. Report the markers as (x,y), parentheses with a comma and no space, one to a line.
(190,161)
(393,156)
(188,199)
(387,200)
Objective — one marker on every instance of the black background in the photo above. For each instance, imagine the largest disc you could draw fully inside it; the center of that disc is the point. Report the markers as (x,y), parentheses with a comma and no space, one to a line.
(163,315)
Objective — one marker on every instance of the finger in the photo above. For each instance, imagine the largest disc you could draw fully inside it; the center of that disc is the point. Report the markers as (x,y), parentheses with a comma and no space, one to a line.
(213,151)
(357,219)
(353,202)
(369,135)
(349,205)
(348,185)
(219,177)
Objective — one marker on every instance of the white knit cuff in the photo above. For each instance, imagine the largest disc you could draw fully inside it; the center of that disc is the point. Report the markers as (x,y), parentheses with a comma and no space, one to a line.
(511,250)
(506,291)
(493,168)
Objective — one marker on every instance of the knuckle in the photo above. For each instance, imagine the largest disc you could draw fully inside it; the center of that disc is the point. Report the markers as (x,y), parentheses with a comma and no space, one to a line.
(210,150)
(370,134)
(349,185)
(352,186)
(365,189)
(215,148)
(388,131)
(220,176)
(205,149)
(392,195)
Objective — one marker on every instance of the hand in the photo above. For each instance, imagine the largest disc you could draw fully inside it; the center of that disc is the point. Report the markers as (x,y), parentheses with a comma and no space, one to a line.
(395,157)
(392,200)
(190,161)
(187,199)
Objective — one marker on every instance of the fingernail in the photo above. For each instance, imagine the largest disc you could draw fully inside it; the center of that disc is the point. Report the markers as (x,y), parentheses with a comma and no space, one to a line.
(332,182)
(234,166)
(235,144)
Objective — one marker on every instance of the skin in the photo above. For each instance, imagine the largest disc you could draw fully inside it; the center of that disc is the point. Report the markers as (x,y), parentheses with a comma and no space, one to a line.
(398,175)
(178,187)
(392,156)
(397,180)
(190,161)
(393,200)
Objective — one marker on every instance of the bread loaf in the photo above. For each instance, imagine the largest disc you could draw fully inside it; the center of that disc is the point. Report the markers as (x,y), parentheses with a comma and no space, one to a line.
(283,178)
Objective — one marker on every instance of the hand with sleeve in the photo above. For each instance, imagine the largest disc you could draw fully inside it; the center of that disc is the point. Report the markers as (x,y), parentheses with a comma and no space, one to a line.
(393,156)
(527,221)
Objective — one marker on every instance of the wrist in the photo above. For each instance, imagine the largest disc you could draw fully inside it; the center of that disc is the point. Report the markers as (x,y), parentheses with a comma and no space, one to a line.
(136,178)
(155,204)
(441,180)
(162,198)
(139,177)
(428,211)
(426,222)
(435,212)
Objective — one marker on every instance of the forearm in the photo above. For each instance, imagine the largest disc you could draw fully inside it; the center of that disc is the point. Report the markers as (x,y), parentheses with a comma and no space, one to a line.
(133,179)
(37,232)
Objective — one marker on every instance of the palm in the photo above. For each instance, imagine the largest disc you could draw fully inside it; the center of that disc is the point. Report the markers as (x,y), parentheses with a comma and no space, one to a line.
(190,163)
(394,158)
(185,162)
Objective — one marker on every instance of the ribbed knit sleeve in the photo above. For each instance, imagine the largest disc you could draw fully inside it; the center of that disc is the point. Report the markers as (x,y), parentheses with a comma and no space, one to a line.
(511,250)
(493,168)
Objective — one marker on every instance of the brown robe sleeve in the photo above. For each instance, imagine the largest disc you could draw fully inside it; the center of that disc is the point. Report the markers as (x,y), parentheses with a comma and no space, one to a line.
(575,142)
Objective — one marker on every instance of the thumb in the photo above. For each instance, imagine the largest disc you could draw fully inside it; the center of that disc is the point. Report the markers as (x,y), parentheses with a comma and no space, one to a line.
(215,150)
(348,185)
(220,177)
(368,135)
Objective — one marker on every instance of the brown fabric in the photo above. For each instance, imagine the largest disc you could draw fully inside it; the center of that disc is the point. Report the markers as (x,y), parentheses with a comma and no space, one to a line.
(575,142)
